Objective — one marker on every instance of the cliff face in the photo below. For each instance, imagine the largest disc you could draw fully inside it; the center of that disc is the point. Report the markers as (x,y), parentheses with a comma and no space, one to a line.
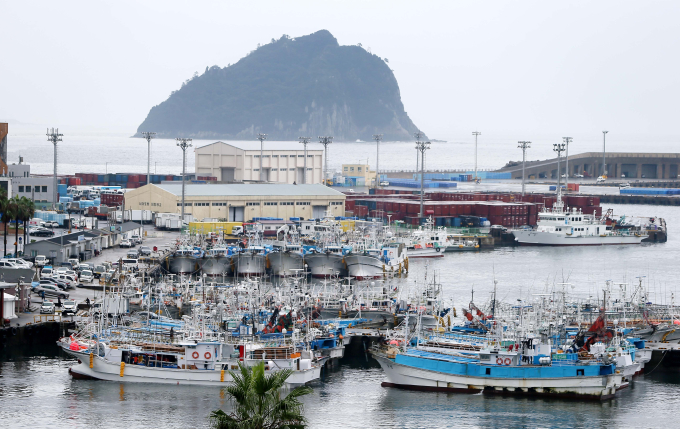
(307,86)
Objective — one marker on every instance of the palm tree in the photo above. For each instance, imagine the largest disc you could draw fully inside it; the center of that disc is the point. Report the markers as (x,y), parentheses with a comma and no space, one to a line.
(16,213)
(28,212)
(6,215)
(258,402)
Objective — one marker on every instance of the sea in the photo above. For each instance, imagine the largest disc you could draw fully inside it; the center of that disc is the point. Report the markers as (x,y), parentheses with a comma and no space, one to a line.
(37,391)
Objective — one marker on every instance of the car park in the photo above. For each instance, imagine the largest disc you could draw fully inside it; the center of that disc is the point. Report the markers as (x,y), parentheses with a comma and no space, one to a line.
(58,283)
(50,290)
(47,307)
(67,279)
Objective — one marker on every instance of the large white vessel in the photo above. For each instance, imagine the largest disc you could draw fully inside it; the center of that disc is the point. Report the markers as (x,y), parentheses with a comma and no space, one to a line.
(560,226)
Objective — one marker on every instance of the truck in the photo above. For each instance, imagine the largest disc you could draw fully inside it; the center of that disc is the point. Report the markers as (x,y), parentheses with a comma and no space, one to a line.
(137,215)
(173,224)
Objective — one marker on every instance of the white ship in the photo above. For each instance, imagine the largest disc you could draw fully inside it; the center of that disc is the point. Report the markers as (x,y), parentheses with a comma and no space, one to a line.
(560,226)
(427,242)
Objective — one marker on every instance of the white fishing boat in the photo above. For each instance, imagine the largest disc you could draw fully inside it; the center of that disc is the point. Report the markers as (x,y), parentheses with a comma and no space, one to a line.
(329,262)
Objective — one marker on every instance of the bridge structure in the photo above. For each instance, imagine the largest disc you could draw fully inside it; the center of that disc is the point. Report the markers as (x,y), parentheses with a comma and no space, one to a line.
(618,165)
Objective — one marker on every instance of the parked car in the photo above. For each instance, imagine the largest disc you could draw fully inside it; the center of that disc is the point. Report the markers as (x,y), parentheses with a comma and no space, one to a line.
(99,271)
(47,307)
(144,251)
(136,239)
(50,290)
(600,179)
(41,232)
(111,276)
(86,276)
(126,243)
(69,307)
(384,183)
(20,262)
(52,224)
(58,283)
(7,264)
(71,281)
(578,176)
(41,261)
(134,254)
(46,273)
(74,263)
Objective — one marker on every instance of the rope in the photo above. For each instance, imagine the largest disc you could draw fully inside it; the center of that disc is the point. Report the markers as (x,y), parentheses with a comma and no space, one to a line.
(657,365)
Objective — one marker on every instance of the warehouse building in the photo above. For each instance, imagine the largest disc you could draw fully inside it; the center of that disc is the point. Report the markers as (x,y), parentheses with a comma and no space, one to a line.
(239,202)
(282,162)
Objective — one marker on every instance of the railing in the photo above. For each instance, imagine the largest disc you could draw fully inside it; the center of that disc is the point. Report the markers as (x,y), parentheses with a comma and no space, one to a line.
(42,318)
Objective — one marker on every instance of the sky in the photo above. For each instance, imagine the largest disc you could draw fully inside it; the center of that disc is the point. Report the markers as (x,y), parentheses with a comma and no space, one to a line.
(507,68)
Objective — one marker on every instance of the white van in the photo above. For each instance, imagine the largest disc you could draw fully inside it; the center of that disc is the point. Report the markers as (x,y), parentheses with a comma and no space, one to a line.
(130,264)
(46,273)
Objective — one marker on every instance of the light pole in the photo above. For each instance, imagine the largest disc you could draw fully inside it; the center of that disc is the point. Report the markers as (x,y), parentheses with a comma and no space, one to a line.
(183,144)
(524,146)
(148,136)
(604,161)
(418,135)
(54,137)
(421,147)
(261,137)
(304,141)
(325,141)
(476,133)
(377,138)
(567,140)
(559,148)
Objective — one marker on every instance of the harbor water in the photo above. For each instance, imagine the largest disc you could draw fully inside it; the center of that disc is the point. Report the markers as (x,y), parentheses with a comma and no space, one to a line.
(43,394)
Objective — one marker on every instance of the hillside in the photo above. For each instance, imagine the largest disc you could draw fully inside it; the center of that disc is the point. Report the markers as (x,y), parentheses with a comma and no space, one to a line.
(306,86)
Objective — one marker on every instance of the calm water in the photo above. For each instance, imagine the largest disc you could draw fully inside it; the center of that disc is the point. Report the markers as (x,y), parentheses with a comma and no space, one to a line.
(36,390)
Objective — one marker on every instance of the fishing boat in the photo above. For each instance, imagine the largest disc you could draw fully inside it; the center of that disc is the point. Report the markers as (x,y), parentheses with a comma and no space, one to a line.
(372,263)
(285,260)
(216,262)
(250,261)
(560,226)
(329,262)
(427,242)
(185,260)
(188,363)
(531,370)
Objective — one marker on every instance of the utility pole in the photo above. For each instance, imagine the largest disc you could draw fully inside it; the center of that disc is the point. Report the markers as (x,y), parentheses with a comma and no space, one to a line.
(476,134)
(325,141)
(183,144)
(559,148)
(418,135)
(421,147)
(604,161)
(54,137)
(377,138)
(305,142)
(261,137)
(524,146)
(148,136)
(567,140)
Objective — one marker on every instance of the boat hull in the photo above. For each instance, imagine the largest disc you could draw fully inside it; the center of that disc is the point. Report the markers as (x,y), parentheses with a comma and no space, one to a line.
(364,267)
(282,264)
(248,264)
(427,252)
(540,238)
(326,265)
(409,377)
(182,264)
(215,266)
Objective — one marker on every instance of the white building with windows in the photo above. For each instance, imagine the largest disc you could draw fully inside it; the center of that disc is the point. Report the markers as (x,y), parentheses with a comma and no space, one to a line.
(239,202)
(282,162)
(38,189)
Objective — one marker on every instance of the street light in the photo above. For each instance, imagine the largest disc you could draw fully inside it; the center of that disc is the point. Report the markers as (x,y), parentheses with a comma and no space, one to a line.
(107,168)
(567,140)
(183,144)
(421,147)
(524,146)
(261,137)
(148,136)
(325,141)
(604,141)
(377,138)
(304,141)
(559,148)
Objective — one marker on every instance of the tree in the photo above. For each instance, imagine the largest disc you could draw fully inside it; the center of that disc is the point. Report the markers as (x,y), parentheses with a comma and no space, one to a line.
(258,403)
(16,211)
(6,214)
(28,210)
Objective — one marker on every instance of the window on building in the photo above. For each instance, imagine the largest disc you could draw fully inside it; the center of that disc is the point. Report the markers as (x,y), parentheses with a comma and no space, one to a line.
(346,168)
(275,156)
(301,156)
(336,203)
(219,204)
(275,169)
(303,203)
(283,156)
(291,169)
(253,204)
(44,188)
(188,204)
(309,156)
(256,156)
(351,169)
(21,189)
(265,156)
(256,169)
(36,188)
(286,203)
(309,169)
(358,168)
(271,203)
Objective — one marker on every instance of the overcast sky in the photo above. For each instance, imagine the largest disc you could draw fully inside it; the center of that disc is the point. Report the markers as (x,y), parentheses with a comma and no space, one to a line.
(502,67)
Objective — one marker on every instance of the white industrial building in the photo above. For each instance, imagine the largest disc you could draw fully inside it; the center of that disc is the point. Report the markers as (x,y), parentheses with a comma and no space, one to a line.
(38,189)
(239,202)
(282,162)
